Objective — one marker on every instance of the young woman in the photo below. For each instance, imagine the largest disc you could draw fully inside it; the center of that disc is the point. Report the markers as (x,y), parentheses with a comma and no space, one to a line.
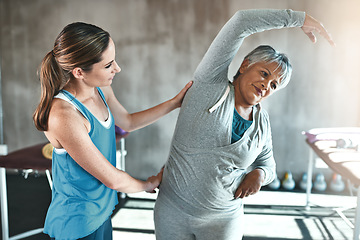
(78,112)
(222,147)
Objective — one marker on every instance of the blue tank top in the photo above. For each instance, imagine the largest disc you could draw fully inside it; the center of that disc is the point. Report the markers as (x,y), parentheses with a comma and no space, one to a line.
(80,203)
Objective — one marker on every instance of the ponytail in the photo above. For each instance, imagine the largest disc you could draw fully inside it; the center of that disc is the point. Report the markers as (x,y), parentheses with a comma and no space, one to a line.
(51,77)
(78,45)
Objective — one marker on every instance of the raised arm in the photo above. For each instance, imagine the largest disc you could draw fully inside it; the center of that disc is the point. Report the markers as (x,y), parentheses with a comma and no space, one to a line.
(228,41)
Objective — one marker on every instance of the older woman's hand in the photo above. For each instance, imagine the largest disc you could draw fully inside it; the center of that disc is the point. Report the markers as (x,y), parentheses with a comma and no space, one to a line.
(311,25)
(251,183)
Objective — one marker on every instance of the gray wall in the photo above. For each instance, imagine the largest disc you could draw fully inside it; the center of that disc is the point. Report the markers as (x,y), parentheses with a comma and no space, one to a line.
(159,44)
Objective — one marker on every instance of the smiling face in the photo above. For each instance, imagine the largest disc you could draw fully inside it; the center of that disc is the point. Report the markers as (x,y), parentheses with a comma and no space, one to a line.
(103,72)
(256,82)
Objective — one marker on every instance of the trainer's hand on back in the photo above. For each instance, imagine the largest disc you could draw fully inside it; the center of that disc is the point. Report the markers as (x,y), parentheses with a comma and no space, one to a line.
(180,96)
(153,182)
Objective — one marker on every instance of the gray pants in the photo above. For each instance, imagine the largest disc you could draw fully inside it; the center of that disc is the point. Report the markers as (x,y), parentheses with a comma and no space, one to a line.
(173,223)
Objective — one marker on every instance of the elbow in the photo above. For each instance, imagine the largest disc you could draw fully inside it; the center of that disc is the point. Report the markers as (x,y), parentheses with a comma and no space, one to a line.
(239,15)
(111,184)
(118,186)
(270,176)
(121,183)
(125,125)
(122,130)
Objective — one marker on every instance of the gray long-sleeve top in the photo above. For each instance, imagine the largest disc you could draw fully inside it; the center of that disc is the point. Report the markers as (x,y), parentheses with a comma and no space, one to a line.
(204,169)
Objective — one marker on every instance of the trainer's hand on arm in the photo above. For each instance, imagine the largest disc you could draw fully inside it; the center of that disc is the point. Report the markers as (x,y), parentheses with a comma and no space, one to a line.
(133,121)
(251,183)
(311,25)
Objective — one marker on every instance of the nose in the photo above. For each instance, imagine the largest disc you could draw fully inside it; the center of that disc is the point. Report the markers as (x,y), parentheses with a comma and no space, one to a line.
(117,68)
(266,85)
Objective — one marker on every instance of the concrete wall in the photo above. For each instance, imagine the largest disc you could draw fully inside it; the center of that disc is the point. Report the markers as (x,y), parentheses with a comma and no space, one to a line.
(159,44)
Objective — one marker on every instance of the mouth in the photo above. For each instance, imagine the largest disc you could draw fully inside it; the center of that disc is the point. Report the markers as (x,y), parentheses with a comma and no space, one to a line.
(258,90)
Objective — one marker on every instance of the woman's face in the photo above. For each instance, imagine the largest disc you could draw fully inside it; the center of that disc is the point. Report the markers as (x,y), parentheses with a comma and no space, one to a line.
(103,72)
(256,82)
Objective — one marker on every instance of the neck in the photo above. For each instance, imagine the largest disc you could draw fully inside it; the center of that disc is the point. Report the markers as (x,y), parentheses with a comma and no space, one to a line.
(80,91)
(244,112)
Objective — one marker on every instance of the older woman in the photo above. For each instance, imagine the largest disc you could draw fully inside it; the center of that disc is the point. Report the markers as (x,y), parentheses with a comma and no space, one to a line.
(222,148)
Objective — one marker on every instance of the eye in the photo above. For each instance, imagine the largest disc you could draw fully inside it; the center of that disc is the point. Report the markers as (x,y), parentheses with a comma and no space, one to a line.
(109,65)
(264,74)
(273,85)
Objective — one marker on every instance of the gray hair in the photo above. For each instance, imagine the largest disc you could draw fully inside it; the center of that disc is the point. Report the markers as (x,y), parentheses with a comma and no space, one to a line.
(265,53)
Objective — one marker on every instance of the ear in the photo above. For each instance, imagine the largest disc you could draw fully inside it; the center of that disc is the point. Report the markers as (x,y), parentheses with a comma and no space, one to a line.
(244,65)
(77,72)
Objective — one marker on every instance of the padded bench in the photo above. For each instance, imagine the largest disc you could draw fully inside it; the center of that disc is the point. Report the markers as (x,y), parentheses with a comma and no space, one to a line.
(339,149)
(30,158)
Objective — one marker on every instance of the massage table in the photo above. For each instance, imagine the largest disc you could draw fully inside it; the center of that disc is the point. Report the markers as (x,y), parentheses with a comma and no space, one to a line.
(28,159)
(339,149)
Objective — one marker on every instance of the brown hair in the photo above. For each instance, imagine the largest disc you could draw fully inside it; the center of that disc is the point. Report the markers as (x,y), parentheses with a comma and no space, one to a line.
(78,45)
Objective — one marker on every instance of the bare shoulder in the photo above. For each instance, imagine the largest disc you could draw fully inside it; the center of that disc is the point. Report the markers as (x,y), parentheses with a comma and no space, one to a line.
(62,112)
(64,119)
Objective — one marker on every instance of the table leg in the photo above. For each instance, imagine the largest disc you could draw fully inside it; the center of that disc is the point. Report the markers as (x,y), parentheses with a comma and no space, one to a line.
(48,175)
(120,160)
(3,198)
(309,179)
(357,216)
(4,206)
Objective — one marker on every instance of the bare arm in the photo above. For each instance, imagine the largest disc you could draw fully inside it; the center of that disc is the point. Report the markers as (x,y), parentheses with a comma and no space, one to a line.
(244,23)
(133,121)
(69,129)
